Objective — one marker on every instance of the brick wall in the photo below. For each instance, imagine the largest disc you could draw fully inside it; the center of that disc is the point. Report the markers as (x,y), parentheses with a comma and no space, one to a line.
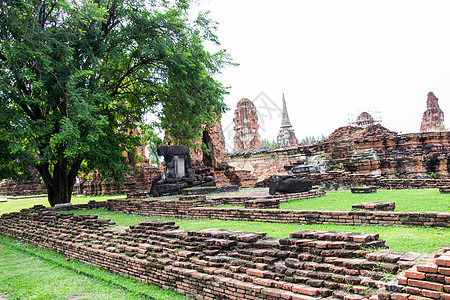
(216,263)
(196,210)
(429,279)
(406,156)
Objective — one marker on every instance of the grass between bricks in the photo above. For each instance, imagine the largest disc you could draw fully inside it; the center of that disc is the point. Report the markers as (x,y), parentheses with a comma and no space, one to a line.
(411,239)
(27,272)
(13,205)
(405,200)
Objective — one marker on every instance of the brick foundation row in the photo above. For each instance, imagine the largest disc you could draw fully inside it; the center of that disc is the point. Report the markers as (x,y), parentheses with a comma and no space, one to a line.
(194,210)
(217,263)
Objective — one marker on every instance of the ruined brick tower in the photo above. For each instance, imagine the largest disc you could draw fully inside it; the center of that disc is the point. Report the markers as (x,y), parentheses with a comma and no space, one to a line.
(364,119)
(433,117)
(286,135)
(246,126)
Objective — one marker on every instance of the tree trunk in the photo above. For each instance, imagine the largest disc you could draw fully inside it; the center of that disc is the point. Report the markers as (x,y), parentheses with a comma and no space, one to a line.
(59,182)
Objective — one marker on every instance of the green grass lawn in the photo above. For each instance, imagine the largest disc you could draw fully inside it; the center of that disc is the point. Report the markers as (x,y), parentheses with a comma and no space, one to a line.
(17,204)
(405,200)
(27,272)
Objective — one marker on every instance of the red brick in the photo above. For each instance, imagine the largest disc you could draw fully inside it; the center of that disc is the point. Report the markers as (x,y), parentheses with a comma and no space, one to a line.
(210,270)
(444,271)
(414,297)
(263,282)
(445,296)
(443,261)
(426,285)
(427,268)
(414,274)
(271,292)
(256,272)
(402,280)
(431,294)
(413,290)
(399,296)
(305,290)
(300,297)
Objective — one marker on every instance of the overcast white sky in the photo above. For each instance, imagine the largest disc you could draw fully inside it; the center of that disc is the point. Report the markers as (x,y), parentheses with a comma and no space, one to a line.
(334,58)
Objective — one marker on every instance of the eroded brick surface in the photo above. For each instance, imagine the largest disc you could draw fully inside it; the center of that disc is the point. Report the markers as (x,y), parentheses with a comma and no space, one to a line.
(216,263)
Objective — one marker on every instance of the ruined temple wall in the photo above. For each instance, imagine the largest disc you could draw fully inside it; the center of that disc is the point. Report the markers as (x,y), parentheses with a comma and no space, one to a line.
(33,186)
(414,155)
(264,165)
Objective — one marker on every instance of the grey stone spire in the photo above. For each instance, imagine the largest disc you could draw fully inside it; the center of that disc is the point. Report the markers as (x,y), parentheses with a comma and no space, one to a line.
(286,135)
(285,117)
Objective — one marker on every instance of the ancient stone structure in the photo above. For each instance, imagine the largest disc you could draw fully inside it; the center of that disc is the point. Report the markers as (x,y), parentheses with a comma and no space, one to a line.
(371,206)
(286,135)
(364,119)
(246,126)
(179,173)
(373,150)
(139,181)
(213,157)
(433,117)
(286,184)
(33,186)
(206,210)
(224,264)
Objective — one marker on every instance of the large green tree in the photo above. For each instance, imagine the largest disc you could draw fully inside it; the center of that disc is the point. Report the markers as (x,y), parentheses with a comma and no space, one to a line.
(77,77)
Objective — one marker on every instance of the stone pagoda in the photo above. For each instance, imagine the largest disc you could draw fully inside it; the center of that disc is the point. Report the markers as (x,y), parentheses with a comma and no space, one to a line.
(286,135)
(246,126)
(433,117)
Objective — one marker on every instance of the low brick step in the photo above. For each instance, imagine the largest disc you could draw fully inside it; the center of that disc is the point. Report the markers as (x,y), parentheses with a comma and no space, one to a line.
(381,206)
(444,189)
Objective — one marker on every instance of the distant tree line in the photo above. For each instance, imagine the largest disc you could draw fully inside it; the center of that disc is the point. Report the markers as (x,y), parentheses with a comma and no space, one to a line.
(311,139)
(305,140)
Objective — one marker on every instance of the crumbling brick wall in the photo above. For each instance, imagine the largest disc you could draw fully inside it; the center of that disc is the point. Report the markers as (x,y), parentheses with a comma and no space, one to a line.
(200,209)
(372,150)
(216,263)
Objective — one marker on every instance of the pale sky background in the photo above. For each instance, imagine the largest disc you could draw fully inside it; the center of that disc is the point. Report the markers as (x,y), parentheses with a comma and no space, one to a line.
(333,59)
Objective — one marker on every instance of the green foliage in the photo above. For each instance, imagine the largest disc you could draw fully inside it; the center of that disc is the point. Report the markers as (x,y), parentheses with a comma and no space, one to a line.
(268,143)
(424,200)
(153,142)
(311,139)
(77,77)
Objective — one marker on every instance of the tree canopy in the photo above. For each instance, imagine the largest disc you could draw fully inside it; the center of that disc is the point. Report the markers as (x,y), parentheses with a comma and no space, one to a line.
(77,78)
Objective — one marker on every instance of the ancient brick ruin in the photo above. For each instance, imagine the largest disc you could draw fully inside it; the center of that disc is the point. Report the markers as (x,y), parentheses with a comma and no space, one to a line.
(246,126)
(212,138)
(33,186)
(225,264)
(433,117)
(364,119)
(373,150)
(286,135)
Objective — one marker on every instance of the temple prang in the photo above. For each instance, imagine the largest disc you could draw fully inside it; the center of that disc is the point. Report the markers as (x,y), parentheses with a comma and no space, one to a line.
(286,135)
(433,117)
(246,126)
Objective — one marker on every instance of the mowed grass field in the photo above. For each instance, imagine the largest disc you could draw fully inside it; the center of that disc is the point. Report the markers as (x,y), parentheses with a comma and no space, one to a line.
(27,272)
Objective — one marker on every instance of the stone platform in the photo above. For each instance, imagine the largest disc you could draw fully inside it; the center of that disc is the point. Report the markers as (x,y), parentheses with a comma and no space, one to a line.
(383,206)
(363,189)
